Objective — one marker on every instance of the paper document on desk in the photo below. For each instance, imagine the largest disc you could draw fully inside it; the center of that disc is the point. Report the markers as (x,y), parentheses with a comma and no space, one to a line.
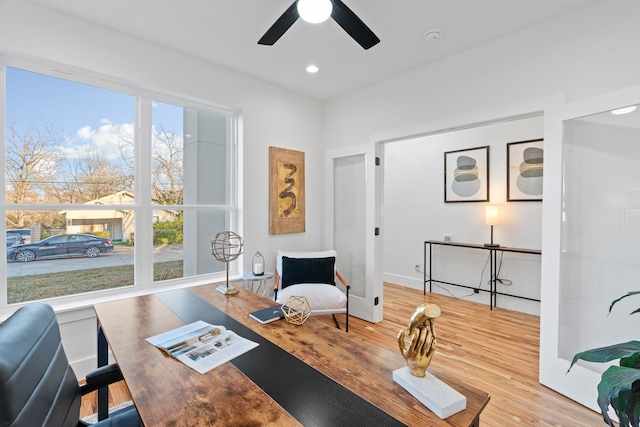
(202,346)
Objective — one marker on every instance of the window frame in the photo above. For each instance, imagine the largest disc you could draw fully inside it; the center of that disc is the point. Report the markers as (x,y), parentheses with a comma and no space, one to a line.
(142,206)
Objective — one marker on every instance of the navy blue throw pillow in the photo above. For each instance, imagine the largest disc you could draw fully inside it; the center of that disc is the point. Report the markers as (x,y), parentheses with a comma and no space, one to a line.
(308,270)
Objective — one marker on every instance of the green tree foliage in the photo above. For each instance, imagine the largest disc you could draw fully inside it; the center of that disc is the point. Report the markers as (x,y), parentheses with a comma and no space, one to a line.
(167,232)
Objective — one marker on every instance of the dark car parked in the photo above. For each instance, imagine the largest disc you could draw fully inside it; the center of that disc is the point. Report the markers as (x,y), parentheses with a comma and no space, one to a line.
(60,246)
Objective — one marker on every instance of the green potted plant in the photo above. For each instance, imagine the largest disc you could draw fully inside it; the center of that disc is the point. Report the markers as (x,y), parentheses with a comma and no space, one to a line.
(619,385)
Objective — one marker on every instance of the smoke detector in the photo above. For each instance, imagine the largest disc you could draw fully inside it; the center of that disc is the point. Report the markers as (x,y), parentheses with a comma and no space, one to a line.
(432,35)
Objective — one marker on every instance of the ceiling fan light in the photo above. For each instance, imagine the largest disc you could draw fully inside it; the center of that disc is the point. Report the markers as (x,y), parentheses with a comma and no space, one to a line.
(315,11)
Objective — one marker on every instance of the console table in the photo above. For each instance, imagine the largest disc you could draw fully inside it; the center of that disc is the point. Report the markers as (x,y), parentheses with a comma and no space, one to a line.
(493,257)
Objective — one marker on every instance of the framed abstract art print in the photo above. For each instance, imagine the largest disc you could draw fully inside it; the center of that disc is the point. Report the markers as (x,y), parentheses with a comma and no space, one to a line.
(525,161)
(466,175)
(286,191)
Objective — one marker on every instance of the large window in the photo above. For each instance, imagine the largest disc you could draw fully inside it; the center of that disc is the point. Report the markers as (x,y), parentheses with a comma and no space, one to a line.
(200,139)
(151,179)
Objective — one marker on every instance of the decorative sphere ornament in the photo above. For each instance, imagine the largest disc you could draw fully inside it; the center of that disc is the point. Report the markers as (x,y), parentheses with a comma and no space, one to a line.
(226,246)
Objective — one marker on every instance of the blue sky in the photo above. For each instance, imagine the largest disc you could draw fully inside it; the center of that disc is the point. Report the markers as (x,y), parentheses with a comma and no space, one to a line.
(87,116)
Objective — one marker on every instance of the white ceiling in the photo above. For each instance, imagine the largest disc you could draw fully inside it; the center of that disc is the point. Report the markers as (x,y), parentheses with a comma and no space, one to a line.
(226,32)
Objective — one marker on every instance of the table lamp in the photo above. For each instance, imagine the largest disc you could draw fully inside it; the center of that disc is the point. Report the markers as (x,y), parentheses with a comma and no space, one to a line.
(491,217)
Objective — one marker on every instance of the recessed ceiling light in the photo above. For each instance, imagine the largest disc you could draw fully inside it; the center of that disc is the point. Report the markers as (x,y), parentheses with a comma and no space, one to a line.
(624,110)
(312,69)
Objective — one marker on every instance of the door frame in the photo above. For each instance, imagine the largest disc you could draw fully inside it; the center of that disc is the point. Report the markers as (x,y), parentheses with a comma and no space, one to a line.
(370,307)
(581,384)
(375,203)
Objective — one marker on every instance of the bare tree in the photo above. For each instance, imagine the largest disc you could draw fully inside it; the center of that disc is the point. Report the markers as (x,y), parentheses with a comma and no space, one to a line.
(32,158)
(167,168)
(126,145)
(166,165)
(90,177)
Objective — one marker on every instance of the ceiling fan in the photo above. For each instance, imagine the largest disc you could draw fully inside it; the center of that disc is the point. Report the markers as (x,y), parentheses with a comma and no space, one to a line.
(340,13)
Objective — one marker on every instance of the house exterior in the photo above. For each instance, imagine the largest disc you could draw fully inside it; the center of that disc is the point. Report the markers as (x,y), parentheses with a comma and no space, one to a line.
(119,223)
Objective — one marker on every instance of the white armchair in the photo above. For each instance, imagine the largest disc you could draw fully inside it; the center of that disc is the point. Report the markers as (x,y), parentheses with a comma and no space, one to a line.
(312,275)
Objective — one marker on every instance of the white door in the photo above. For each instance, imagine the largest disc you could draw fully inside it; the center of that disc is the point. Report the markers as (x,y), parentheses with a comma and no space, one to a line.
(352,221)
(591,223)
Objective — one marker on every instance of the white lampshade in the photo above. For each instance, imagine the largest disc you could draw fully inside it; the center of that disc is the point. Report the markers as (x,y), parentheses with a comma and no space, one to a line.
(315,11)
(491,215)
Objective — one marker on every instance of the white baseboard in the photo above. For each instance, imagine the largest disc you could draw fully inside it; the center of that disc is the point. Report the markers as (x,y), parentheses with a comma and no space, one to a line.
(409,282)
(524,306)
(83,366)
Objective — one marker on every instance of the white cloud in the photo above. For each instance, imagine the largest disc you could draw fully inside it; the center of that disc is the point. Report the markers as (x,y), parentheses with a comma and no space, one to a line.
(106,140)
(84,133)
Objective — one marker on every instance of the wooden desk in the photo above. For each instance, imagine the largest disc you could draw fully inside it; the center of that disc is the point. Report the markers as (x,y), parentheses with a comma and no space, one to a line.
(168,393)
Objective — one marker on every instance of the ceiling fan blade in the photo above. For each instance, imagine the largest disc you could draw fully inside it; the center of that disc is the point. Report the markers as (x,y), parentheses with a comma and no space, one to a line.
(281,26)
(353,25)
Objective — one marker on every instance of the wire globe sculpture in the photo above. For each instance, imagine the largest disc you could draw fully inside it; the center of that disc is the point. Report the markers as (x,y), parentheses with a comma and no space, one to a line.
(226,246)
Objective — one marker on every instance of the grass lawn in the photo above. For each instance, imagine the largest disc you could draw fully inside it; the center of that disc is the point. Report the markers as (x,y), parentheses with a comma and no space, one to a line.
(41,286)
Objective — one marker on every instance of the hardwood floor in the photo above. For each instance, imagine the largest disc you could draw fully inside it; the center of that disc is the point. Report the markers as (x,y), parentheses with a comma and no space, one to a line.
(495,351)
(118,393)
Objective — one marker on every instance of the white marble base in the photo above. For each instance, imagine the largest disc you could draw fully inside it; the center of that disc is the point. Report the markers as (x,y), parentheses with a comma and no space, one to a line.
(441,399)
(227,291)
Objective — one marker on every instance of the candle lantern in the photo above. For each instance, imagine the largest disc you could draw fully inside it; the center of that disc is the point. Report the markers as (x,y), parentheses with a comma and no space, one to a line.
(258,264)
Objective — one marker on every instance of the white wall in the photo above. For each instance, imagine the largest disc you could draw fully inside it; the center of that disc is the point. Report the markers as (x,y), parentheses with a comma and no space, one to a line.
(270,115)
(590,51)
(414,211)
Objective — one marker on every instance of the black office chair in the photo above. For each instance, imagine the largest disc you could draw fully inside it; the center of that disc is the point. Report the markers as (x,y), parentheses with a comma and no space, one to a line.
(37,385)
